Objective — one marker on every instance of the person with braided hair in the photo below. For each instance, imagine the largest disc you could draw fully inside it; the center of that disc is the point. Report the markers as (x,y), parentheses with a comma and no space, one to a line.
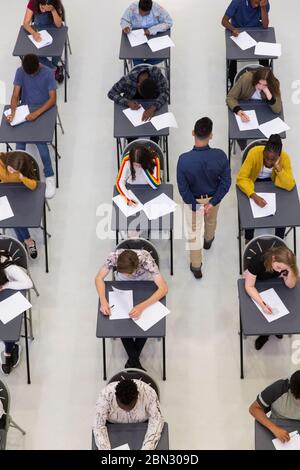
(128,401)
(266,163)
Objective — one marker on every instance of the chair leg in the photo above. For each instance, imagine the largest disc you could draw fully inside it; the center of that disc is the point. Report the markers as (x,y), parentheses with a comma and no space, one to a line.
(52,145)
(30,318)
(69,44)
(13,424)
(60,123)
(48,206)
(48,234)
(35,289)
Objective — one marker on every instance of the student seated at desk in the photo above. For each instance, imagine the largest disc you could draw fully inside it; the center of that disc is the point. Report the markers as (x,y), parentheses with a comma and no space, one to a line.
(259,84)
(128,401)
(149,16)
(34,84)
(276,262)
(132,265)
(16,167)
(282,399)
(266,163)
(245,14)
(139,166)
(11,277)
(146,83)
(42,14)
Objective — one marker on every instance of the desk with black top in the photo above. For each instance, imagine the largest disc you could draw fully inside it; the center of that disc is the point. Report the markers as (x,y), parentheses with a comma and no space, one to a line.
(263,437)
(252,321)
(123,129)
(107,328)
(11,332)
(287,212)
(58,48)
(140,221)
(28,208)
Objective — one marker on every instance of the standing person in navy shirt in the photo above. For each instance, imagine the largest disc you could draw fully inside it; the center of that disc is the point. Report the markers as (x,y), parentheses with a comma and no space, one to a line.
(34,84)
(245,14)
(203,178)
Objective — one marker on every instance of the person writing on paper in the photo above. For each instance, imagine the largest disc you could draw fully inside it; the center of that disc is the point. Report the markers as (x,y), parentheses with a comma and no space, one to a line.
(203,179)
(146,83)
(128,401)
(278,261)
(140,166)
(149,16)
(16,167)
(259,84)
(11,277)
(282,400)
(266,163)
(40,15)
(245,14)
(132,265)
(34,84)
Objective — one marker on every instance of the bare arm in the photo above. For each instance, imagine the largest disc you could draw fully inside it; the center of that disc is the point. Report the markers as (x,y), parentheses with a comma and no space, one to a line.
(100,286)
(48,105)
(258,413)
(290,280)
(226,23)
(27,22)
(162,290)
(15,98)
(264,14)
(57,19)
(251,290)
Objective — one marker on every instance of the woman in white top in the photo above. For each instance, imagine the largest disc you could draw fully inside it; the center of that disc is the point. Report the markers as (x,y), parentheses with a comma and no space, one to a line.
(11,277)
(140,166)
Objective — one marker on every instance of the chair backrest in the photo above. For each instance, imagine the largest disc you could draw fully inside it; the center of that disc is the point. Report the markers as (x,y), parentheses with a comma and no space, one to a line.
(141,66)
(16,250)
(34,163)
(247,68)
(5,400)
(258,245)
(139,244)
(135,374)
(251,145)
(149,144)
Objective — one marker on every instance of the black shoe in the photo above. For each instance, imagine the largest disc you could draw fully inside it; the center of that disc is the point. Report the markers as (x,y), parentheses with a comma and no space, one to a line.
(32,251)
(260,342)
(197,272)
(59,74)
(6,366)
(15,355)
(207,244)
(279,336)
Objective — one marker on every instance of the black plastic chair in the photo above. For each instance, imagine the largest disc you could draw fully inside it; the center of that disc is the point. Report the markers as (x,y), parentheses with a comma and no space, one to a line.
(251,145)
(135,374)
(6,421)
(152,146)
(247,68)
(260,244)
(139,244)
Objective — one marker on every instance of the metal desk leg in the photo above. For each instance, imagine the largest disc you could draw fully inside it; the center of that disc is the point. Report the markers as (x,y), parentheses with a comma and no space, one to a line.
(167,156)
(164,358)
(171,251)
(295,240)
(241,346)
(45,237)
(119,151)
(229,150)
(27,349)
(56,154)
(104,359)
(240,243)
(66,71)
(117,237)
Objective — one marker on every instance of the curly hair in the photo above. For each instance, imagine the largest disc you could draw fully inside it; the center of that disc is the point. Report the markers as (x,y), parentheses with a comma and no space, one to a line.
(126,391)
(295,384)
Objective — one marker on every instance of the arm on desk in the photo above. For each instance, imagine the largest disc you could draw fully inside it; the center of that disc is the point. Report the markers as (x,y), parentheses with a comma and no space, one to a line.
(99,426)
(251,290)
(115,93)
(48,105)
(100,286)
(162,290)
(27,25)
(291,278)
(15,98)
(165,21)
(155,422)
(284,177)
(258,413)
(226,23)
(264,13)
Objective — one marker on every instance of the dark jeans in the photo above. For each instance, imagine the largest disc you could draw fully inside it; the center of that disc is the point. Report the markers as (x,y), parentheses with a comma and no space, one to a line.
(133,347)
(233,68)
(153,138)
(147,61)
(9,346)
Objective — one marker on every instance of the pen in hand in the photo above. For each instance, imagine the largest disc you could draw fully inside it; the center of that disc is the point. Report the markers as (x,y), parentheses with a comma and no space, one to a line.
(268,307)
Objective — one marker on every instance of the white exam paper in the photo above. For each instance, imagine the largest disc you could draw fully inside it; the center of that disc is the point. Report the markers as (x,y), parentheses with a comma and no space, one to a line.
(164,120)
(159,206)
(244,40)
(292,444)
(127,210)
(122,300)
(275,126)
(123,447)
(5,209)
(13,306)
(248,126)
(271,298)
(152,315)
(162,42)
(268,48)
(269,209)
(135,116)
(47,39)
(137,37)
(20,116)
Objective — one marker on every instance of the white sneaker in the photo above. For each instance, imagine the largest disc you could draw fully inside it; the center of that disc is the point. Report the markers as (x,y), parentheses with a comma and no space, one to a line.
(50,187)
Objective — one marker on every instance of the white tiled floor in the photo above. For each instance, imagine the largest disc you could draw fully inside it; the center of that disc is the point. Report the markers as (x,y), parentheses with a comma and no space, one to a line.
(203,397)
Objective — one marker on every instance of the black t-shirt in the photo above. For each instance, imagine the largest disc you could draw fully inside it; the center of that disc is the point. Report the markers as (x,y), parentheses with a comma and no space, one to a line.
(257,268)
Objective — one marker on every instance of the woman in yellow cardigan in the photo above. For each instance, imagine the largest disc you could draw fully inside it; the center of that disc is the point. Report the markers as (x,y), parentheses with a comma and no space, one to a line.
(16,167)
(269,163)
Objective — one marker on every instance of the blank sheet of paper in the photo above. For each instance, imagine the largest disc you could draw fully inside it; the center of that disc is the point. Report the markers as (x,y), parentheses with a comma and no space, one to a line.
(157,44)
(47,39)
(137,37)
(275,126)
(248,126)
(127,210)
(164,120)
(122,301)
(5,209)
(269,209)
(123,447)
(135,116)
(268,48)
(13,306)
(244,40)
(292,444)
(20,116)
(159,206)
(152,315)
(271,298)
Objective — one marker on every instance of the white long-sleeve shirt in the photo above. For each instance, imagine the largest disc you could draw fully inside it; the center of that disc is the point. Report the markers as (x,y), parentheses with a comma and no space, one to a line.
(147,408)
(17,278)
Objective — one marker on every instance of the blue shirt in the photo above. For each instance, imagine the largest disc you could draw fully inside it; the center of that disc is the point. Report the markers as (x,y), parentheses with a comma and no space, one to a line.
(243,15)
(203,171)
(35,88)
